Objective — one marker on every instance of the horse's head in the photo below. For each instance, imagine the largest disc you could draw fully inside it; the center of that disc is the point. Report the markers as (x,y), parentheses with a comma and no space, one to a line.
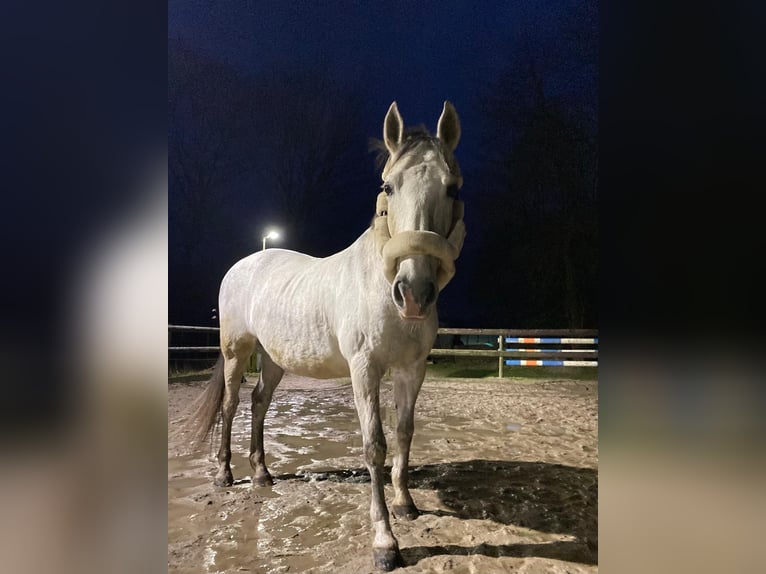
(419,227)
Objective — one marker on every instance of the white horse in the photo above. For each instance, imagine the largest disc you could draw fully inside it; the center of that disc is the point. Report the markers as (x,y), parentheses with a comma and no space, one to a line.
(360,312)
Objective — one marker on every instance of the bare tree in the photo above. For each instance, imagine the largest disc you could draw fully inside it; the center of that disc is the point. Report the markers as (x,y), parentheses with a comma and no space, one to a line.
(241,147)
(209,129)
(541,176)
(210,116)
(307,124)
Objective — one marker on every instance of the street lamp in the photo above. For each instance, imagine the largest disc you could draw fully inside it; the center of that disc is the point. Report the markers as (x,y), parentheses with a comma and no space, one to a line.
(270,235)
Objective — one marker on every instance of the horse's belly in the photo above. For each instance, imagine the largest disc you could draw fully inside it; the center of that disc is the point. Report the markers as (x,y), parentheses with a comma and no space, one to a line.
(318,359)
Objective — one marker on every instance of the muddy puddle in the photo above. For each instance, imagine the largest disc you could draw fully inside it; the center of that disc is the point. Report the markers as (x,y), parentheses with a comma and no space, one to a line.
(505,474)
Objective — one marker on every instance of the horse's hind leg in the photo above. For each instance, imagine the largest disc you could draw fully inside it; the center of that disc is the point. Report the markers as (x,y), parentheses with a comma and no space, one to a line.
(235,361)
(271,374)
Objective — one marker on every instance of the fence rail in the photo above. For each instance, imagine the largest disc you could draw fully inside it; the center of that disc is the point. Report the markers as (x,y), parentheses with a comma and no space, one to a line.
(546,352)
(192,346)
(521,332)
(193,328)
(195,349)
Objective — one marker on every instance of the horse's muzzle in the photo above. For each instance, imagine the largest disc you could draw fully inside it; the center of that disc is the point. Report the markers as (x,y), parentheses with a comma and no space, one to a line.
(413,303)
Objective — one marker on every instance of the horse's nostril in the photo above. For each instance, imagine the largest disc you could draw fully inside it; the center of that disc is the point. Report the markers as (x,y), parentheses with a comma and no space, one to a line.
(398,293)
(430,295)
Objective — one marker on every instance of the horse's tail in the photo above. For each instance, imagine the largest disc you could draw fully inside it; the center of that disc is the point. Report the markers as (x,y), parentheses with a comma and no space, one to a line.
(206,410)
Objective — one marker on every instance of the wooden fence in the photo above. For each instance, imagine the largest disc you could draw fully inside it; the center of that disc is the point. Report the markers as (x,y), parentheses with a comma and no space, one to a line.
(529,347)
(192,346)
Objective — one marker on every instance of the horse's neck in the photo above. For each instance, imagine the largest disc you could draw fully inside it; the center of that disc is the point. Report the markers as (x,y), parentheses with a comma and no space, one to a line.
(364,252)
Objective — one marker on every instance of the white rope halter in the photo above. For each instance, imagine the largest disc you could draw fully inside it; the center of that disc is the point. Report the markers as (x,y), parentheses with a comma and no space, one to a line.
(408,243)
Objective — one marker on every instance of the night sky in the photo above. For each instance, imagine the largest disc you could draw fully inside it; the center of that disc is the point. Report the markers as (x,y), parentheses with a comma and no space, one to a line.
(521,75)
(254,90)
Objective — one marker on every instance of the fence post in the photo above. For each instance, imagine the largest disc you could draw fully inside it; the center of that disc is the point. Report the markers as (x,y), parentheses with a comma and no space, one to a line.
(500,345)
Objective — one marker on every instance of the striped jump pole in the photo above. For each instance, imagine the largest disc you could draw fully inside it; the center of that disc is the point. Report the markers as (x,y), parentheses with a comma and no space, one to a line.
(557,340)
(548,363)
(565,361)
(540,350)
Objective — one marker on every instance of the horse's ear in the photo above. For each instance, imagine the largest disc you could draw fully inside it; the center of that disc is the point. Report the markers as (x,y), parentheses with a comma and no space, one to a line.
(448,129)
(393,129)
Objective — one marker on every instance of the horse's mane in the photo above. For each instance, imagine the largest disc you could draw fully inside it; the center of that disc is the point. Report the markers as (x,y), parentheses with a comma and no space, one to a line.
(412,138)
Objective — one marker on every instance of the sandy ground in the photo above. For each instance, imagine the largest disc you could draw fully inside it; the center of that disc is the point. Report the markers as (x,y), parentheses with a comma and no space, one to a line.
(504,472)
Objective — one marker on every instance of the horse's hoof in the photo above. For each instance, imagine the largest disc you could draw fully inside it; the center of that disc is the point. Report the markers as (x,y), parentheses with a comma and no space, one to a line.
(263,480)
(225,479)
(387,560)
(405,512)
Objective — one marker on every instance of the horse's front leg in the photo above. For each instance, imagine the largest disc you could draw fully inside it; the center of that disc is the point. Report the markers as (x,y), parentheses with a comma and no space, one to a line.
(407,383)
(366,383)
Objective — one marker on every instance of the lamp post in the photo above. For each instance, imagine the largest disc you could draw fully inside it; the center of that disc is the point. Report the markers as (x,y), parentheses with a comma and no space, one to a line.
(270,235)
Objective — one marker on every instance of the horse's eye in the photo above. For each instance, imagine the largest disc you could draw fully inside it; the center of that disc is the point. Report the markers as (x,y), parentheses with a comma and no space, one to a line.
(452,191)
(387,188)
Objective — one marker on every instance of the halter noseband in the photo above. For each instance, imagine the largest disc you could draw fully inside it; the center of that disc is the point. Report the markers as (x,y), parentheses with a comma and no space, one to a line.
(408,243)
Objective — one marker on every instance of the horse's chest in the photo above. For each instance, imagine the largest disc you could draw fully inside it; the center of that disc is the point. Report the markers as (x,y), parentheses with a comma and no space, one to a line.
(404,347)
